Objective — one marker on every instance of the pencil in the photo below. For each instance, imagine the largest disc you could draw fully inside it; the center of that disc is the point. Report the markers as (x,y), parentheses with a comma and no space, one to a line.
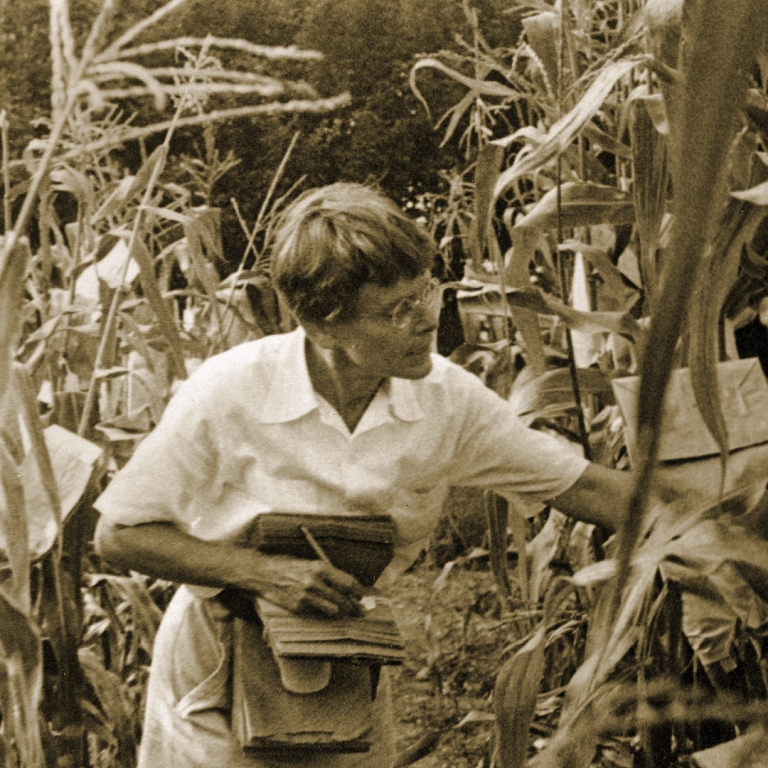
(315,545)
(358,608)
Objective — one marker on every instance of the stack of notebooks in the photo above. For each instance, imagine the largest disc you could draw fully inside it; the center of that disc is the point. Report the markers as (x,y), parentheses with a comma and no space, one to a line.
(271,718)
(308,682)
(360,545)
(373,637)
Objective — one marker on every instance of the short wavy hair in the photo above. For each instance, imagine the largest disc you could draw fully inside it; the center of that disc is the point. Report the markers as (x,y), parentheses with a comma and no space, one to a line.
(333,240)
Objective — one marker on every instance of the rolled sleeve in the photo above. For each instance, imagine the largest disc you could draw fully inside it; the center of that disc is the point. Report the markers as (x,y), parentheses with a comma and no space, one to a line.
(497,451)
(170,469)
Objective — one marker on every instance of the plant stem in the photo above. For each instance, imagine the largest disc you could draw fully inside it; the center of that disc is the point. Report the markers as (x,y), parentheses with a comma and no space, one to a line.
(270,110)
(6,173)
(136,29)
(73,94)
(29,199)
(259,219)
(583,435)
(114,305)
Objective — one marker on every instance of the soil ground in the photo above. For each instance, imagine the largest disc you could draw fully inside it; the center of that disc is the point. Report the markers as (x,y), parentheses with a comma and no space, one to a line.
(455,645)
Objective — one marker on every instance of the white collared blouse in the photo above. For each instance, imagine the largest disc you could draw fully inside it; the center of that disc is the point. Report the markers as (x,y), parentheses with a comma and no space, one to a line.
(247,434)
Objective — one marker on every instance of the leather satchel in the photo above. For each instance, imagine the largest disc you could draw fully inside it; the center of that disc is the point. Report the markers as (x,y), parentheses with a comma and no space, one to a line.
(270,720)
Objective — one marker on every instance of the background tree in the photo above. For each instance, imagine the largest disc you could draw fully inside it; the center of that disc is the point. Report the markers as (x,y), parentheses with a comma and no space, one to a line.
(368,47)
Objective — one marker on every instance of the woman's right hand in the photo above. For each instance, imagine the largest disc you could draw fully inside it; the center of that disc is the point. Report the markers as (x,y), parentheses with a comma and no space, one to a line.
(305,586)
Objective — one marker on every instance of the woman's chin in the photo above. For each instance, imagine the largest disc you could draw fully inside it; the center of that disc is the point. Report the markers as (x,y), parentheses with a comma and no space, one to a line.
(416,367)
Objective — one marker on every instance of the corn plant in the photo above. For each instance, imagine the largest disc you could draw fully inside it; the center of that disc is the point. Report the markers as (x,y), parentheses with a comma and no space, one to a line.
(626,203)
(95,328)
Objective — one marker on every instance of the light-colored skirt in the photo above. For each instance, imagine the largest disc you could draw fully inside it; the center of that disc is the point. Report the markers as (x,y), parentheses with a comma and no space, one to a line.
(188,699)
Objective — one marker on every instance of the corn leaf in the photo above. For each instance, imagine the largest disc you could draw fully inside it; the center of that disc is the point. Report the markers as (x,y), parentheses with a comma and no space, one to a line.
(599,139)
(526,318)
(555,388)
(74,462)
(115,201)
(154,164)
(112,270)
(611,275)
(757,195)
(11,295)
(517,518)
(649,188)
(514,697)
(488,167)
(518,682)
(19,477)
(74,181)
(145,614)
(21,676)
(477,87)
(565,130)
(149,383)
(456,112)
(488,302)
(95,722)
(113,702)
(581,205)
(720,39)
(575,742)
(542,30)
(41,536)
(200,235)
(496,515)
(14,533)
(705,553)
(718,274)
(200,238)
(723,572)
(164,319)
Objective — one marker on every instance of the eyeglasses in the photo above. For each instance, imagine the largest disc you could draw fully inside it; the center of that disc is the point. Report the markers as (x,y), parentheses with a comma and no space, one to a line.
(402,315)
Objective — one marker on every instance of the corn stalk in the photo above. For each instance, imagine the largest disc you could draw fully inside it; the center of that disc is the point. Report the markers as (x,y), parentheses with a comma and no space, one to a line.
(53,339)
(685,118)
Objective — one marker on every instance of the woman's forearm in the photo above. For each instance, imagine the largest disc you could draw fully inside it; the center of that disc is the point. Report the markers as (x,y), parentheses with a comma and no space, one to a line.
(600,496)
(164,551)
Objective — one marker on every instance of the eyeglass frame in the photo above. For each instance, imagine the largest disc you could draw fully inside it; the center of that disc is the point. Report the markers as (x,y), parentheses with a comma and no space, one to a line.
(407,307)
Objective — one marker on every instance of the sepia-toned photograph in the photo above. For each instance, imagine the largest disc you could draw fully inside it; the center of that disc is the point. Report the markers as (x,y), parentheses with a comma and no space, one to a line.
(383,383)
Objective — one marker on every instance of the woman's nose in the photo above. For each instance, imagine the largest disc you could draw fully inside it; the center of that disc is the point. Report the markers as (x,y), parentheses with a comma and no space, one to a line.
(425,318)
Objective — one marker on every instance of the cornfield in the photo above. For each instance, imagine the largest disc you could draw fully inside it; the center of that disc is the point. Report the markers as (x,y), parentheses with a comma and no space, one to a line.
(611,219)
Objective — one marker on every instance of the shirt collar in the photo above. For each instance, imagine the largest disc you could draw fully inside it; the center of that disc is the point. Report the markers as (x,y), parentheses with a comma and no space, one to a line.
(404,401)
(291,395)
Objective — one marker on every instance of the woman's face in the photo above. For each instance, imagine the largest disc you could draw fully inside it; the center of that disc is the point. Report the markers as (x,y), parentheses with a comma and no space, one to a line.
(371,341)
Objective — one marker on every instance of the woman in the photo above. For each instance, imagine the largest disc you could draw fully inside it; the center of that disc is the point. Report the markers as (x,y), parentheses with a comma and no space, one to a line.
(349,414)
